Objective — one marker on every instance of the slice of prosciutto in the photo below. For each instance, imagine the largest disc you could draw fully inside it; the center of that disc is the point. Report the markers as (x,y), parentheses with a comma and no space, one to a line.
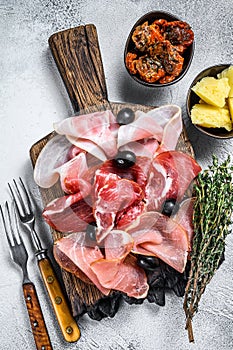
(163,124)
(156,234)
(113,194)
(118,270)
(53,155)
(88,146)
(98,127)
(62,161)
(171,174)
(127,211)
(126,216)
(75,247)
(67,264)
(142,148)
(141,128)
(69,213)
(72,176)
(184,217)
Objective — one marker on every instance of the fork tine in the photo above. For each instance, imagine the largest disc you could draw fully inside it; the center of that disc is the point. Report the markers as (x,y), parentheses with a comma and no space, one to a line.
(14,240)
(5,227)
(16,224)
(18,199)
(26,194)
(14,197)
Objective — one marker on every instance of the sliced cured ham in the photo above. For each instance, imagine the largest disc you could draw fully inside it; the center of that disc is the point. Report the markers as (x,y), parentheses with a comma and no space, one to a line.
(184,217)
(141,128)
(118,270)
(142,148)
(88,146)
(113,194)
(67,264)
(163,124)
(125,217)
(54,154)
(171,174)
(74,151)
(114,271)
(118,245)
(72,176)
(69,213)
(64,162)
(136,173)
(171,133)
(126,211)
(77,250)
(125,204)
(97,127)
(164,114)
(156,234)
(125,277)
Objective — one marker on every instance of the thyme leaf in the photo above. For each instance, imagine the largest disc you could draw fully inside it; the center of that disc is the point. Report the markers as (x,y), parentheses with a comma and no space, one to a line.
(212,218)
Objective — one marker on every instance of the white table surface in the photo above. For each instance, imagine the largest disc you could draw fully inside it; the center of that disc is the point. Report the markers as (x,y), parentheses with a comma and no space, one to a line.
(32,97)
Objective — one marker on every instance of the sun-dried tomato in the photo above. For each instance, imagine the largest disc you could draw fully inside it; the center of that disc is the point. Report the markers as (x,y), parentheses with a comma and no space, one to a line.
(150,69)
(158,50)
(178,33)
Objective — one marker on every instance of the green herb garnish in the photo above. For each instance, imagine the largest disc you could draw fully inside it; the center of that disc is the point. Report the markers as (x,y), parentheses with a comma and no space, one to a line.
(212,217)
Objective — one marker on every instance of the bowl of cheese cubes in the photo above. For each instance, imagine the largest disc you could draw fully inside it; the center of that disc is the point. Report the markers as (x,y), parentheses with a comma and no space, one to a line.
(210,101)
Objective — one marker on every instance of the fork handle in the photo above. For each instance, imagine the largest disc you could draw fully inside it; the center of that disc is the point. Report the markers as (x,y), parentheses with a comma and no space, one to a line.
(38,325)
(67,323)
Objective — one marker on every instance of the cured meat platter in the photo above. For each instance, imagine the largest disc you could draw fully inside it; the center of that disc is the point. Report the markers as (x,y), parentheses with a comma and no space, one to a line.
(77,55)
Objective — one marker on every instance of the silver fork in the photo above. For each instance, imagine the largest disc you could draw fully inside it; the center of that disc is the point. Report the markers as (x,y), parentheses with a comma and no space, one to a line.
(67,323)
(20,257)
(25,212)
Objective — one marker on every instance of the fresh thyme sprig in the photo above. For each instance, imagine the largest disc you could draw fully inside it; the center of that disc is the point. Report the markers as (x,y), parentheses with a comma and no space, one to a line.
(212,217)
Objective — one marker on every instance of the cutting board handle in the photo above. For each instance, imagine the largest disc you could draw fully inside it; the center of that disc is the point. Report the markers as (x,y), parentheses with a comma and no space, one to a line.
(78,58)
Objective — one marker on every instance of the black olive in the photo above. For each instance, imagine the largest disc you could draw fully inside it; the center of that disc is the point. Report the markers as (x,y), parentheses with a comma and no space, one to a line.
(125,116)
(91,231)
(125,159)
(170,207)
(147,262)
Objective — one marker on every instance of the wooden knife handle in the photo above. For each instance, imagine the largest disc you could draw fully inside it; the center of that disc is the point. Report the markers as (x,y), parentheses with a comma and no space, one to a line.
(61,308)
(38,325)
(78,58)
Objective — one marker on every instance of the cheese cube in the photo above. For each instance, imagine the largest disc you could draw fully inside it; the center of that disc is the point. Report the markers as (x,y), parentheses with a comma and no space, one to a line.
(211,117)
(213,91)
(228,73)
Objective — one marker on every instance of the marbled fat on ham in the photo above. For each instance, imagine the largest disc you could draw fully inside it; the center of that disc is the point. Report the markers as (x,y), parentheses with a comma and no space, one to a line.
(113,194)
(54,154)
(88,146)
(98,127)
(72,176)
(171,174)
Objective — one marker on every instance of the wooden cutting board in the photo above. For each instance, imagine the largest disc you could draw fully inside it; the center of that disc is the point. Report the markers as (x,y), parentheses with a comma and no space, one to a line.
(78,58)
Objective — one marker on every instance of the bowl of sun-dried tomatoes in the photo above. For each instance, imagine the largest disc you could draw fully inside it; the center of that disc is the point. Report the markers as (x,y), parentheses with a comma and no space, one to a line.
(159,49)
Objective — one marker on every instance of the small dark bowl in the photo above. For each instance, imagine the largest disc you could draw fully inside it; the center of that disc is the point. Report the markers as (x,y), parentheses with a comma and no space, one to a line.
(192,99)
(130,47)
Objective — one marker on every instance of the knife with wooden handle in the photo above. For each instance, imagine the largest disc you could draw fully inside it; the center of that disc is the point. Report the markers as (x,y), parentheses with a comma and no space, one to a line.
(38,326)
